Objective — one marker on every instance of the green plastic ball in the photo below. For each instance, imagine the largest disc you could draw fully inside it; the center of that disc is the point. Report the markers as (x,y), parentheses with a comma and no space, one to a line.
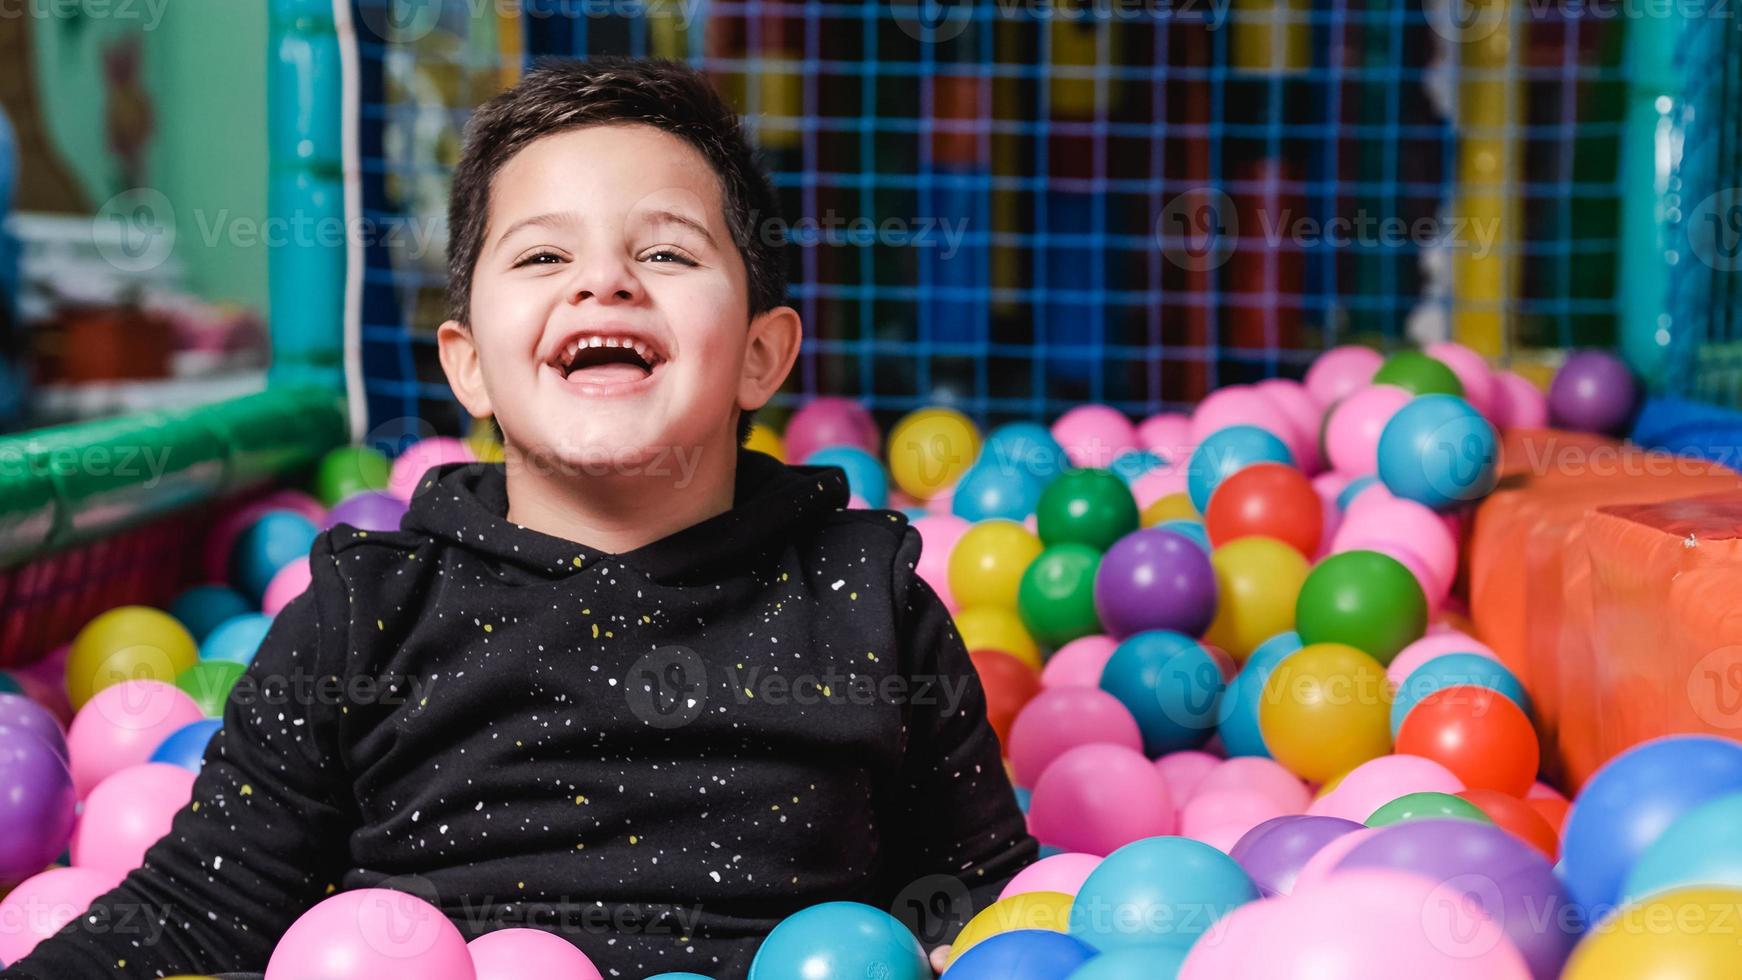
(1056,599)
(349,470)
(1089,506)
(209,683)
(1418,374)
(1426,806)
(1365,599)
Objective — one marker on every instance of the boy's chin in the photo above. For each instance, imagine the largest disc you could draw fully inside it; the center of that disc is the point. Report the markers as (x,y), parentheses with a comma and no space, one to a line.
(643,458)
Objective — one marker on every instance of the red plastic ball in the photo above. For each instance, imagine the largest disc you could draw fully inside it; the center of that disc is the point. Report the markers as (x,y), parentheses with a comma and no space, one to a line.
(1269,500)
(1009,684)
(1480,735)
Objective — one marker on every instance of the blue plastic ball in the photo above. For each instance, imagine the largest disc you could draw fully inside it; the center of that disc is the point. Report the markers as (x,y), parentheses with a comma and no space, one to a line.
(1170,684)
(1702,847)
(1029,445)
(1455,670)
(203,607)
(267,545)
(1048,850)
(991,489)
(1136,963)
(840,941)
(1191,529)
(1439,451)
(186,746)
(1226,452)
(866,478)
(1134,463)
(1160,891)
(9,684)
(1022,954)
(1023,798)
(237,639)
(1347,495)
(1237,712)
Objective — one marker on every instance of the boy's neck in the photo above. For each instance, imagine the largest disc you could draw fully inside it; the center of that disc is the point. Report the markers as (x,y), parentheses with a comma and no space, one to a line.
(617,512)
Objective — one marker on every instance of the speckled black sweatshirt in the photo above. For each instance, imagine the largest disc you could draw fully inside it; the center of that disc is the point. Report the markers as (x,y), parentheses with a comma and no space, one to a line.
(659,754)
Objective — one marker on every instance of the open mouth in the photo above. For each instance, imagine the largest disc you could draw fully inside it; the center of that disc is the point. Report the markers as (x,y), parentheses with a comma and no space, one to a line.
(603,360)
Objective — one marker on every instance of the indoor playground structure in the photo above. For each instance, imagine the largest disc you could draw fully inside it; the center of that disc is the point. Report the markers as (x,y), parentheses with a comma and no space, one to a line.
(1321,418)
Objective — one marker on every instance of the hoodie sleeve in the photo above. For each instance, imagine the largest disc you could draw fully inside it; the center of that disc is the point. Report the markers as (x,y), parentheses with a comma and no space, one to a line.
(955,832)
(264,836)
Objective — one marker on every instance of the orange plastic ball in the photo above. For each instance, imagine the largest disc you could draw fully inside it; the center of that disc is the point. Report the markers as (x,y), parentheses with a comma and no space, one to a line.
(1009,684)
(1270,500)
(1517,818)
(1480,735)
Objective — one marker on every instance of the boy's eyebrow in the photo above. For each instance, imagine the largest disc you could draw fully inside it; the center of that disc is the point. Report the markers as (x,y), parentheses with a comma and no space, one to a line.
(660,216)
(657,216)
(550,219)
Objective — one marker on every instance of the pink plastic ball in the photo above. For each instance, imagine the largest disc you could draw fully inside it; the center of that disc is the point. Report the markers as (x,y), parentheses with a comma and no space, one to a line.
(1471,369)
(1354,425)
(942,502)
(1518,404)
(830,421)
(1063,873)
(1323,864)
(1418,528)
(1376,782)
(1216,809)
(1185,771)
(938,534)
(289,582)
(1158,483)
(516,954)
(1222,838)
(42,903)
(1302,415)
(1168,435)
(1241,405)
(1079,663)
(122,725)
(1094,435)
(1431,646)
(1095,799)
(1261,775)
(371,933)
(410,466)
(1543,791)
(127,813)
(1059,719)
(1340,371)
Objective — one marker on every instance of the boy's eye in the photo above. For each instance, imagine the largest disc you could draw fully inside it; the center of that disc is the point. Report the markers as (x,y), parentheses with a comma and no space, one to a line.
(665,255)
(539,258)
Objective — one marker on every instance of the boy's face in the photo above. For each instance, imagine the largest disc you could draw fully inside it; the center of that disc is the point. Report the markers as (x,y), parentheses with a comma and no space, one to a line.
(609,307)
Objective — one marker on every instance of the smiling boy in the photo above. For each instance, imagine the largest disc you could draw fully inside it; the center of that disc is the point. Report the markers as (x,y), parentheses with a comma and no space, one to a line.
(634,732)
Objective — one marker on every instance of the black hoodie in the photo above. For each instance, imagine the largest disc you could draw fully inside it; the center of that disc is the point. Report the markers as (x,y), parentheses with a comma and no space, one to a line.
(659,754)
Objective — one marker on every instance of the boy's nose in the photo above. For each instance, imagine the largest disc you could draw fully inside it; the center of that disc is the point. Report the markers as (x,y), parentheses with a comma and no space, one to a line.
(607,280)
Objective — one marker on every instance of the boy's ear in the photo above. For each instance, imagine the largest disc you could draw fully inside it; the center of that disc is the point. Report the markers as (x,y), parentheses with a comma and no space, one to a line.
(773,346)
(460,363)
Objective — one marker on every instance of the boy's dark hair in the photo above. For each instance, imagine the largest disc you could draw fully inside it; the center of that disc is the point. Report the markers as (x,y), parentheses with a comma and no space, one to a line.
(560,95)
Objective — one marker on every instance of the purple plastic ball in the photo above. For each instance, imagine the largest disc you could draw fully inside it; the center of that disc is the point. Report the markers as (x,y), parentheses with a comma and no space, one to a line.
(1155,580)
(1274,851)
(36,805)
(370,510)
(18,711)
(1592,392)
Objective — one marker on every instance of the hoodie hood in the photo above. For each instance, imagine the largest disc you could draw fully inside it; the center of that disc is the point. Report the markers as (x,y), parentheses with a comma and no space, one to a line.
(467,504)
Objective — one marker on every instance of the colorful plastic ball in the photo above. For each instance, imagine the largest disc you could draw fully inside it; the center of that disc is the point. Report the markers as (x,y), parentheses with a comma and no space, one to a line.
(1060,719)
(830,421)
(267,545)
(1518,404)
(236,640)
(1044,911)
(1078,663)
(1096,798)
(1363,599)
(1376,782)
(1173,507)
(1243,405)
(1353,426)
(1086,506)
(209,684)
(840,941)
(1260,775)
(1426,806)
(43,903)
(1056,597)
(186,746)
(1193,529)
(1627,803)
(1136,963)
(930,449)
(126,813)
(1166,891)
(1701,847)
(991,489)
(1168,434)
(1213,814)
(1455,670)
(406,479)
(371,510)
(1028,446)
(1273,853)
(1472,371)
(1346,497)
(1155,579)
(1439,451)
(1418,374)
(1686,934)
(203,607)
(764,439)
(1432,646)
(122,725)
(1226,452)
(938,534)
(1340,372)
(1269,500)
(1023,954)
(997,628)
(1479,734)
(1594,391)
(1133,465)
(987,563)
(20,713)
(1094,435)
(349,470)
(1009,684)
(369,933)
(1298,412)
(866,478)
(1237,712)
(1170,684)
(126,643)
(1324,710)
(1062,873)
(1184,772)
(1257,582)
(37,801)
(679,976)
(291,581)
(1517,818)
(514,954)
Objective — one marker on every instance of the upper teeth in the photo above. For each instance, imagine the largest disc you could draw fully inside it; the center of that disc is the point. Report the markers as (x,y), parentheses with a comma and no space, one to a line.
(643,350)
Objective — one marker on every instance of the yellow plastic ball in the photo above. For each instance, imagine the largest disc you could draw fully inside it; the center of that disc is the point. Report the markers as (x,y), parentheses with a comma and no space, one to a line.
(1325,710)
(930,449)
(127,643)
(1685,934)
(484,441)
(1257,581)
(766,440)
(997,628)
(987,563)
(1030,910)
(1173,507)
